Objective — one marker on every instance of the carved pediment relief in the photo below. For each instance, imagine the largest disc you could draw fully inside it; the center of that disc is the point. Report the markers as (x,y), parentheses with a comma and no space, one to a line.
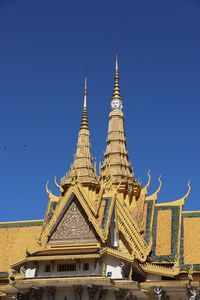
(74,226)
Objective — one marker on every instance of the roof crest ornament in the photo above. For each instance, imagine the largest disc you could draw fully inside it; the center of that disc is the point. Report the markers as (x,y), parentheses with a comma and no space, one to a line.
(57,185)
(85,94)
(154,196)
(116,102)
(180,201)
(145,188)
(50,194)
(47,188)
(84,118)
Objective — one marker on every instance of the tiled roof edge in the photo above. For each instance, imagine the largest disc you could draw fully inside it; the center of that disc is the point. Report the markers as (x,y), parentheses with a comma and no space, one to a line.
(21,224)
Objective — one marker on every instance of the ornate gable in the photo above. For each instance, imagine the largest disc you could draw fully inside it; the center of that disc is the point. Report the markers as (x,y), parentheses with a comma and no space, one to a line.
(74,227)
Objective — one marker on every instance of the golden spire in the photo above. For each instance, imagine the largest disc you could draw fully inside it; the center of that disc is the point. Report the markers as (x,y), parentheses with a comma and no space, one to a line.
(82,168)
(84,119)
(116,156)
(116,90)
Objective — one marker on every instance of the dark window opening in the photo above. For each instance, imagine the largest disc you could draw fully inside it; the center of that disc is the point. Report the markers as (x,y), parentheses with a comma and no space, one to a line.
(47,268)
(86,267)
(66,267)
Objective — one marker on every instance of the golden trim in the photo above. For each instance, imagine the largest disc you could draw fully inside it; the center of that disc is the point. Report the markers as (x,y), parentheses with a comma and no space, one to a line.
(180,201)
(154,196)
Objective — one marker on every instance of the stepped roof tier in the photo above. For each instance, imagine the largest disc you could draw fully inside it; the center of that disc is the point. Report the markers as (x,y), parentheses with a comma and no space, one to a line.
(103,237)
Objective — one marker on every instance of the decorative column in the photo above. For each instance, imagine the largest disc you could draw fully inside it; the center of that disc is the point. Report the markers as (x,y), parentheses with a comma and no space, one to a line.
(159,293)
(121,294)
(51,290)
(21,296)
(39,294)
(192,293)
(78,290)
(96,293)
(35,294)
(32,294)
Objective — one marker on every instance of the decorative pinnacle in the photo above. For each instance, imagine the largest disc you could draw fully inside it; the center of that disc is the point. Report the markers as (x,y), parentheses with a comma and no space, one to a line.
(85,94)
(84,118)
(116,91)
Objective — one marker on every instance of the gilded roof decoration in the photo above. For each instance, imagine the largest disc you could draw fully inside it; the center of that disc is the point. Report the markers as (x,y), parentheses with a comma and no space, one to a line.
(111,214)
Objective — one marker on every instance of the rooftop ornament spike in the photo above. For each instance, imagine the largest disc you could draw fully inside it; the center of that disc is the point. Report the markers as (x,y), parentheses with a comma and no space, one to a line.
(154,196)
(187,193)
(47,188)
(116,102)
(84,118)
(147,185)
(82,169)
(57,185)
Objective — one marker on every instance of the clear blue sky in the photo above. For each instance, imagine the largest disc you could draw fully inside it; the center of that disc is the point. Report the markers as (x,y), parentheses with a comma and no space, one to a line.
(44,46)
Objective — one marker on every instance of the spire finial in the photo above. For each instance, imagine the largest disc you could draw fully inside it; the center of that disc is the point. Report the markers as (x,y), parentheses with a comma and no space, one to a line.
(85,94)
(82,168)
(116,102)
(84,119)
(116,63)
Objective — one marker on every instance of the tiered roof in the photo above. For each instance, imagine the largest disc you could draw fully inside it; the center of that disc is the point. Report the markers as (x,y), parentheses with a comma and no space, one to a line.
(159,238)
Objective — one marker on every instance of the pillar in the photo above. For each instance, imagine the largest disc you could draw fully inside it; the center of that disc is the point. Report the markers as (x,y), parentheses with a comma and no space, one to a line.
(35,294)
(120,294)
(78,291)
(51,290)
(96,293)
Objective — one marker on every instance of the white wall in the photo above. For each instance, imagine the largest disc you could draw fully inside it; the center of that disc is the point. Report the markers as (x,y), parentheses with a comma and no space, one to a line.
(30,272)
(113,265)
(93,269)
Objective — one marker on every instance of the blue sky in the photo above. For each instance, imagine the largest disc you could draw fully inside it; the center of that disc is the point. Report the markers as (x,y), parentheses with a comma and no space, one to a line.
(44,47)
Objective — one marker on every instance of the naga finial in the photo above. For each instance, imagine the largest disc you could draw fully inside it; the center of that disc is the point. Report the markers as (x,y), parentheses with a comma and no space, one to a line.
(57,185)
(154,196)
(47,188)
(182,199)
(149,180)
(189,190)
(160,185)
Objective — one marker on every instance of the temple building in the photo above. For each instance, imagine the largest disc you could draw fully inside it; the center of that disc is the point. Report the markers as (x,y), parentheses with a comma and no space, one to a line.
(103,236)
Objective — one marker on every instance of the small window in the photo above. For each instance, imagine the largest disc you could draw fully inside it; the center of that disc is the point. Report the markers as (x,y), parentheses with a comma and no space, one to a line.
(86,267)
(66,267)
(47,268)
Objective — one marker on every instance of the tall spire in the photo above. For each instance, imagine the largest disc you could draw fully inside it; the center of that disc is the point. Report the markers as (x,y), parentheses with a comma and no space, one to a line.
(84,119)
(116,102)
(116,90)
(82,168)
(116,162)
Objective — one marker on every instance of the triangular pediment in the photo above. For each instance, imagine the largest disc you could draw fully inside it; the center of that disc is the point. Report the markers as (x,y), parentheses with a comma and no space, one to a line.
(83,206)
(74,226)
